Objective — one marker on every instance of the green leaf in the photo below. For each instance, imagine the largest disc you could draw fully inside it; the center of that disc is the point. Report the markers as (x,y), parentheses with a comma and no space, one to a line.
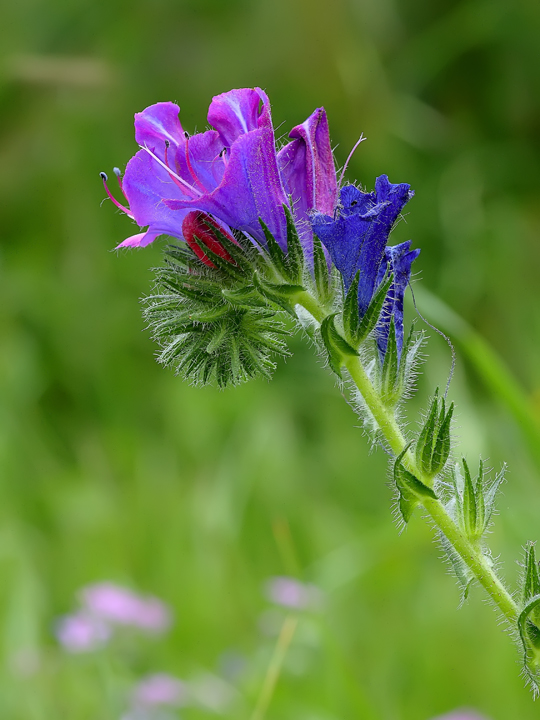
(424,445)
(336,346)
(277,255)
(469,504)
(226,267)
(321,273)
(279,294)
(490,495)
(441,451)
(390,390)
(529,634)
(411,490)
(531,585)
(480,504)
(350,318)
(295,252)
(373,313)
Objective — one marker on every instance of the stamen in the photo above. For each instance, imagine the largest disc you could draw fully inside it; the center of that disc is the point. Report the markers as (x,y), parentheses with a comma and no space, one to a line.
(180,182)
(104,177)
(190,167)
(360,139)
(118,174)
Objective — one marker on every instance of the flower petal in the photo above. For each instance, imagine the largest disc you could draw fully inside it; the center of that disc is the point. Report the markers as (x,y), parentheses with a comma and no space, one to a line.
(157,124)
(398,259)
(250,189)
(356,238)
(238,112)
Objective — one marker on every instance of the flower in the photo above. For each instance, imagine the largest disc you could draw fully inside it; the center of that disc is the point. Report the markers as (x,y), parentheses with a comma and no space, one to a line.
(119,606)
(232,172)
(356,236)
(291,593)
(82,632)
(160,689)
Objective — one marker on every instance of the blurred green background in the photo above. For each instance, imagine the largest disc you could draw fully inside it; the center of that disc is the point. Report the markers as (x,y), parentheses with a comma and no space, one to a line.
(111,468)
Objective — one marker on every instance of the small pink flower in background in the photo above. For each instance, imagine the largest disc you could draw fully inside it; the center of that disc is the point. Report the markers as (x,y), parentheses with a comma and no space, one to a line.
(160,689)
(81,632)
(120,606)
(291,593)
(463,714)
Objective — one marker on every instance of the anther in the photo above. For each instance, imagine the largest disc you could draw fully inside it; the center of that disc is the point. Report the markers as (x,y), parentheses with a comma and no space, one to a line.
(104,177)
(117,172)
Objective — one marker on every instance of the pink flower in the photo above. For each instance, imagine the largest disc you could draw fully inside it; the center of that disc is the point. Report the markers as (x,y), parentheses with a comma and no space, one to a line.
(119,606)
(160,689)
(291,593)
(81,632)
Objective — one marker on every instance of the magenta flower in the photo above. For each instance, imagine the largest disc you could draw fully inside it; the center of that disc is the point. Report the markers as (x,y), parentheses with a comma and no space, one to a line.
(82,632)
(232,172)
(118,606)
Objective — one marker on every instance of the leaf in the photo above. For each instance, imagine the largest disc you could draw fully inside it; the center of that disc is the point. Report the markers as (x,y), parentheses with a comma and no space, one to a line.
(490,495)
(350,318)
(277,255)
(411,490)
(295,252)
(279,294)
(320,272)
(424,445)
(531,585)
(441,451)
(390,391)
(373,312)
(336,346)
(529,634)
(469,504)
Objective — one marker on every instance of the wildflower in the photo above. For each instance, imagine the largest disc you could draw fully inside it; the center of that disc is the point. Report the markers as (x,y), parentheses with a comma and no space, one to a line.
(356,237)
(160,689)
(232,172)
(119,606)
(291,593)
(82,632)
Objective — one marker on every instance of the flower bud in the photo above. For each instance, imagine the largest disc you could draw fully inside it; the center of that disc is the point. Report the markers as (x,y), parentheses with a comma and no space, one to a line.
(202,232)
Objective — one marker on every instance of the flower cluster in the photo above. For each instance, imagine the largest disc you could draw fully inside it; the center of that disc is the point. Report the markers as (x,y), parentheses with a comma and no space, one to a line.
(106,607)
(261,229)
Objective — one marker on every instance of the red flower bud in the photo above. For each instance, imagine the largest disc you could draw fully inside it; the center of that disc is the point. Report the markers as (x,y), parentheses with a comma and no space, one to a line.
(198,233)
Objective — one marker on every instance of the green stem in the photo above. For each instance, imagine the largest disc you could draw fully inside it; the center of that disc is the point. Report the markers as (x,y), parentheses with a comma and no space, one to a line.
(274,669)
(385,418)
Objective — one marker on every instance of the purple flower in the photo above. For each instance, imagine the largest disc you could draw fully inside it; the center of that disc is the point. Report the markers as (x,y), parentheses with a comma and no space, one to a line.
(356,237)
(82,632)
(118,606)
(307,169)
(232,172)
(160,689)
(291,593)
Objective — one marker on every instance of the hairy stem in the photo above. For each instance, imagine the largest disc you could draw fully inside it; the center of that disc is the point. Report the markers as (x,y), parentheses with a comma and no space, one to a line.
(385,418)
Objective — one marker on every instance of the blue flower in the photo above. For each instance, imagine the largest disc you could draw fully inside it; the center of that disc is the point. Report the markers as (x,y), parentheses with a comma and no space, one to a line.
(356,238)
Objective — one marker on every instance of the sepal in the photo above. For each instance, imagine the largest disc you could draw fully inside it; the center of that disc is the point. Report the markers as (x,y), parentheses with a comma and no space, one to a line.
(280,294)
(392,380)
(433,444)
(321,273)
(212,323)
(337,347)
(411,490)
(357,329)
(474,500)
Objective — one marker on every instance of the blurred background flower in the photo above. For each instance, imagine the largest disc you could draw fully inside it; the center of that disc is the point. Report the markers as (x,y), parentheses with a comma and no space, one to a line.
(110,467)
